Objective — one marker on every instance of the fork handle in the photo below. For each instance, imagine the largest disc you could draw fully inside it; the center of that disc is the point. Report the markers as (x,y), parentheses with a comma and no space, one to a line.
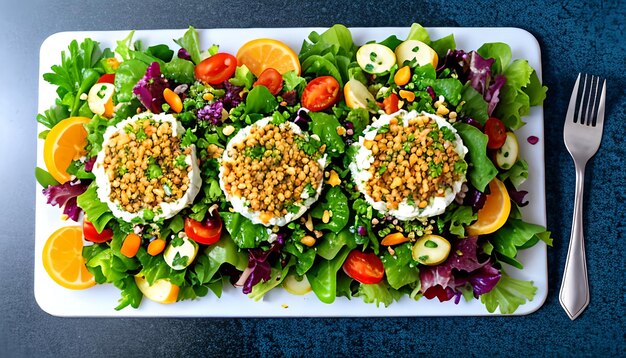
(574,295)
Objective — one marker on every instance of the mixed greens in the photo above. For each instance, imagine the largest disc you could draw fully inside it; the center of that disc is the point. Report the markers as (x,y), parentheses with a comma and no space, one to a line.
(465,88)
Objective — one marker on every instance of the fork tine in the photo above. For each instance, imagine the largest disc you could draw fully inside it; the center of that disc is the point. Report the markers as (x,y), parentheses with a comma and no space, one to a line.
(572,101)
(592,104)
(600,116)
(581,102)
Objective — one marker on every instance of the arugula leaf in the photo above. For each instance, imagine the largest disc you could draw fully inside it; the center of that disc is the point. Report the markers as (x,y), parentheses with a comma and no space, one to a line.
(508,294)
(55,114)
(400,268)
(325,126)
(481,170)
(191,42)
(336,202)
(246,234)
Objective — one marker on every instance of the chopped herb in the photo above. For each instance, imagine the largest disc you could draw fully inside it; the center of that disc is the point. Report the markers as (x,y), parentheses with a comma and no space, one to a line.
(278,119)
(293,208)
(431,244)
(460,166)
(189,138)
(310,190)
(148,215)
(373,56)
(177,241)
(448,134)
(154,171)
(434,134)
(310,146)
(410,137)
(423,258)
(382,169)
(255,152)
(141,135)
(407,147)
(180,260)
(102,92)
(180,161)
(434,170)
(415,49)
(369,67)
(122,170)
(383,129)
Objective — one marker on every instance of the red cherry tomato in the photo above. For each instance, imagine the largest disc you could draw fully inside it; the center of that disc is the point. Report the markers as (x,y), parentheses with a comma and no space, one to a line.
(364,267)
(91,234)
(320,93)
(216,69)
(271,79)
(390,104)
(496,131)
(206,233)
(107,78)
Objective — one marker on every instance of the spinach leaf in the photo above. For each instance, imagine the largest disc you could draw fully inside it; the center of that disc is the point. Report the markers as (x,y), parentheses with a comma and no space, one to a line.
(481,170)
(325,126)
(260,100)
(417,32)
(359,117)
(44,178)
(162,52)
(336,202)
(323,276)
(331,243)
(244,233)
(400,268)
(127,75)
(181,71)
(442,45)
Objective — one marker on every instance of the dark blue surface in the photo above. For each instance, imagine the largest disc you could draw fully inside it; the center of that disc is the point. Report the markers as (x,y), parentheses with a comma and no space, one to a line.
(574,37)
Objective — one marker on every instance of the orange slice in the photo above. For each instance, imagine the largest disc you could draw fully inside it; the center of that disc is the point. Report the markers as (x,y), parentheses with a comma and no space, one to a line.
(495,211)
(63,259)
(65,142)
(261,54)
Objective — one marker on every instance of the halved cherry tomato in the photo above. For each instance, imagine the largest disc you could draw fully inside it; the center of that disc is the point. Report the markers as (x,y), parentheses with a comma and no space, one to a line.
(496,131)
(320,93)
(271,79)
(216,69)
(91,234)
(107,78)
(390,104)
(364,267)
(206,233)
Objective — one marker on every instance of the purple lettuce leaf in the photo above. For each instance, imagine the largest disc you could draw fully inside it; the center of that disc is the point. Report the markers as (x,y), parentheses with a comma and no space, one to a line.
(479,75)
(89,164)
(150,88)
(493,93)
(458,62)
(211,113)
(232,96)
(484,279)
(259,267)
(64,196)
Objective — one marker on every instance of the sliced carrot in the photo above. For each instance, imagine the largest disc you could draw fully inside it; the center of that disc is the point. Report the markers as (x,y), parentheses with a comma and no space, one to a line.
(173,99)
(131,244)
(394,239)
(156,247)
(402,76)
(408,95)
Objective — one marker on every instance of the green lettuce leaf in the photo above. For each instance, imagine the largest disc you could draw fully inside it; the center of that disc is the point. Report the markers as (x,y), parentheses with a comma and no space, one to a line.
(419,33)
(475,105)
(126,77)
(191,42)
(243,77)
(260,100)
(517,174)
(223,251)
(378,293)
(179,70)
(331,243)
(517,234)
(535,91)
(323,276)
(500,52)
(508,295)
(277,276)
(481,170)
(97,211)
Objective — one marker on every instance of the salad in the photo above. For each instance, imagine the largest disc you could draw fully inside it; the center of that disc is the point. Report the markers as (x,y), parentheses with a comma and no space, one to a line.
(376,171)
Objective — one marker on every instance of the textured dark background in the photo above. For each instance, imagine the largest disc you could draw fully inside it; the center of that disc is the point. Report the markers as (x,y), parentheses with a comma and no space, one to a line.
(575,36)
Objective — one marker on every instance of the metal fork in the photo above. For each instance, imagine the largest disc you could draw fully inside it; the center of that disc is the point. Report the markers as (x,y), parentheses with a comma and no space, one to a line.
(582,135)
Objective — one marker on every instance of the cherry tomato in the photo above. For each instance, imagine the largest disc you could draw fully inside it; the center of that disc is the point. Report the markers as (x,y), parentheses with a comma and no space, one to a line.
(206,233)
(107,78)
(390,104)
(496,131)
(271,79)
(320,93)
(91,234)
(364,267)
(216,69)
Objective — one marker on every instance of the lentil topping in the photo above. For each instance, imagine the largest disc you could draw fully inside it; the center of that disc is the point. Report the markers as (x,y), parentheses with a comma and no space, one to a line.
(409,163)
(271,173)
(142,170)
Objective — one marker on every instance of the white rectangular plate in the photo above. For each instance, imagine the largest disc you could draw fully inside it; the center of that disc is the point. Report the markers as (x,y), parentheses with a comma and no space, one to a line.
(101,299)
